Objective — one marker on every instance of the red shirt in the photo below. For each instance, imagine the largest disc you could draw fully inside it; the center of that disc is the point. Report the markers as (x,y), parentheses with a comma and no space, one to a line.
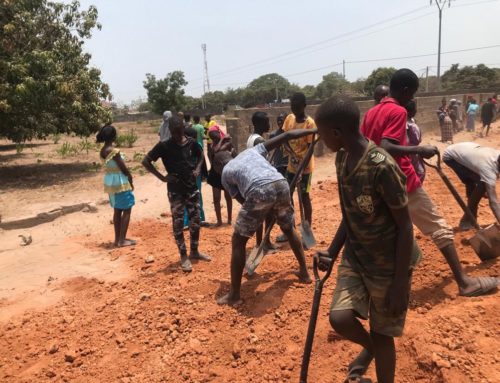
(388,120)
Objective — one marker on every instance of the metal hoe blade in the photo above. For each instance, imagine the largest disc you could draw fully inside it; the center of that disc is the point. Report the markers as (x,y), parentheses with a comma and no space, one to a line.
(308,239)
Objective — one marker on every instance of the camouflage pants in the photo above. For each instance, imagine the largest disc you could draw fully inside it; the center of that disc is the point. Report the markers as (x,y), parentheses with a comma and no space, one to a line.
(190,201)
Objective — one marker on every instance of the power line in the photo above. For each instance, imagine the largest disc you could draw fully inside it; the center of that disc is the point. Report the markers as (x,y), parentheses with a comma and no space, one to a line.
(287,53)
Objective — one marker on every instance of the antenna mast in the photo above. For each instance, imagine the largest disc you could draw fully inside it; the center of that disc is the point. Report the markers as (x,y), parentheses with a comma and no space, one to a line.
(206,81)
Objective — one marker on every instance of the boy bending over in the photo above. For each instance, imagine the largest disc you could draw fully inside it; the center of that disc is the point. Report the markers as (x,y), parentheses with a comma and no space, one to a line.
(374,275)
(262,191)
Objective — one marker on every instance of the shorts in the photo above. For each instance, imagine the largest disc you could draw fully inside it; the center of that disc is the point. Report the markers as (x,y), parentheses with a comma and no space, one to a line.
(305,182)
(365,295)
(122,201)
(214,179)
(272,198)
(425,215)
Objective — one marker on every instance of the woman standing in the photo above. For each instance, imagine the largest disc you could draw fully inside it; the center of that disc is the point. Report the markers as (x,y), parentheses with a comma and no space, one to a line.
(471,115)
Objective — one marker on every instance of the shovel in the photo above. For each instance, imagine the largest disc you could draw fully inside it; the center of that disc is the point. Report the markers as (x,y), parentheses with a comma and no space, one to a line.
(306,232)
(257,253)
(318,289)
(486,242)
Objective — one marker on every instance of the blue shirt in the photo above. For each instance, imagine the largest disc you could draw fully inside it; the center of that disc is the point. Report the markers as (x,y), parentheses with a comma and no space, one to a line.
(249,170)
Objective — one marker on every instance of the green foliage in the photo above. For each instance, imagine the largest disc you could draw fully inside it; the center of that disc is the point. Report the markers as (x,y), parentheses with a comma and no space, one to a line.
(46,84)
(269,88)
(68,150)
(86,145)
(215,101)
(470,77)
(138,156)
(380,76)
(166,94)
(126,140)
(56,138)
(331,84)
(19,148)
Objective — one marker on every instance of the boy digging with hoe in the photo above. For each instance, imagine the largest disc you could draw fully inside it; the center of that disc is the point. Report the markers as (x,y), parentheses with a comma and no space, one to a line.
(176,153)
(374,276)
(262,191)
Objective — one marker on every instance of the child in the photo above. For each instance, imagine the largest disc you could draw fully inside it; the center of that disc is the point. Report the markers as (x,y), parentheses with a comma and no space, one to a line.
(181,185)
(118,184)
(385,124)
(191,132)
(299,120)
(200,130)
(164,132)
(260,123)
(262,191)
(280,159)
(471,115)
(414,136)
(374,275)
(214,178)
(487,115)
(478,168)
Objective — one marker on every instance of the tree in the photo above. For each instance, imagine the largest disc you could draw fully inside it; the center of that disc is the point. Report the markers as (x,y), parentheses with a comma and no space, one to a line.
(469,77)
(380,76)
(215,101)
(309,91)
(357,88)
(331,84)
(269,88)
(166,94)
(46,83)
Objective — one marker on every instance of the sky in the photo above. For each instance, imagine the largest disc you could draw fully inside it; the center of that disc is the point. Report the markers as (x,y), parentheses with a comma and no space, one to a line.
(301,40)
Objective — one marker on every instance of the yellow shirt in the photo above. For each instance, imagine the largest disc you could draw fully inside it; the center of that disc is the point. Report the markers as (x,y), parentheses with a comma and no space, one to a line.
(208,125)
(300,145)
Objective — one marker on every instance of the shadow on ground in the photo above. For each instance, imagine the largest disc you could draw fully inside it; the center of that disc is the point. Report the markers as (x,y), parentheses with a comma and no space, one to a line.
(43,175)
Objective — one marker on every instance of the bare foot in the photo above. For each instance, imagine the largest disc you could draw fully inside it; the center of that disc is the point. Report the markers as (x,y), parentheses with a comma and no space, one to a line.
(127,242)
(303,277)
(229,300)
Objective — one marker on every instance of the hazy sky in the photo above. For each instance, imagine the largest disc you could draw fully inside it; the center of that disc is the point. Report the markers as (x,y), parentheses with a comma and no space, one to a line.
(246,39)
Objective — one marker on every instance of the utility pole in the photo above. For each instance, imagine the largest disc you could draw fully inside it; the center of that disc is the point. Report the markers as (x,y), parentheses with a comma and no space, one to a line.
(427,79)
(276,89)
(440,4)
(343,68)
(206,82)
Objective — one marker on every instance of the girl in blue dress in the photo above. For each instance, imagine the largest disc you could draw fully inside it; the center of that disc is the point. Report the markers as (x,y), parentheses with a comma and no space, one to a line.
(118,184)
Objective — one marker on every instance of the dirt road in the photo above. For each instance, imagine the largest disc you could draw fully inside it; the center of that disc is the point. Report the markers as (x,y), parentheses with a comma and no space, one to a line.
(125,320)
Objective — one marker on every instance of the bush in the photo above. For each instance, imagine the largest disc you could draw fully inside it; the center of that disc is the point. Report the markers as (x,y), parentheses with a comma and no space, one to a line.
(87,145)
(138,156)
(68,149)
(126,140)
(56,138)
(19,148)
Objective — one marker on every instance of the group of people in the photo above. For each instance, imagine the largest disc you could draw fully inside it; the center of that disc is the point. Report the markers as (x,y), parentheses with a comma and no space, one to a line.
(380,173)
(451,120)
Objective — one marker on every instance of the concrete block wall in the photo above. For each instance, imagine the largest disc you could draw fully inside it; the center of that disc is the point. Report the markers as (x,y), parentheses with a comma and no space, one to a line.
(426,115)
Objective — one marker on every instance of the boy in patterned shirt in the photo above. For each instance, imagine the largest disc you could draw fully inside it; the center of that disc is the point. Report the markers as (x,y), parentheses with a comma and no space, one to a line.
(380,252)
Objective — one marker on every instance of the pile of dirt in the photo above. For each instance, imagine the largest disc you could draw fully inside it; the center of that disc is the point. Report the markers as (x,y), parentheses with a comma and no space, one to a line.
(162,325)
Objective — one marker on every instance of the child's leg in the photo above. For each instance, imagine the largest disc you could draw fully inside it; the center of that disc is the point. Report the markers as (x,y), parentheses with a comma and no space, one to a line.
(125,221)
(193,208)
(229,204)
(298,251)
(488,129)
(186,218)
(202,212)
(385,357)
(117,222)
(258,234)
(177,204)
(217,195)
(305,187)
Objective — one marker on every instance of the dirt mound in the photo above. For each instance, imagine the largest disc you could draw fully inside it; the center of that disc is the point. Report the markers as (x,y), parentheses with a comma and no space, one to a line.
(164,326)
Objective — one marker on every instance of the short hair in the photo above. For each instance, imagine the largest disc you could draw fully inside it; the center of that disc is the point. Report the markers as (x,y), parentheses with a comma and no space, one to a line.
(282,116)
(208,117)
(187,117)
(380,92)
(191,132)
(341,110)
(411,107)
(106,134)
(259,118)
(298,98)
(196,119)
(404,78)
(175,122)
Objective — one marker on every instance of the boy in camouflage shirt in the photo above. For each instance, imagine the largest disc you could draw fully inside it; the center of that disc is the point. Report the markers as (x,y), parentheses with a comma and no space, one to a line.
(374,275)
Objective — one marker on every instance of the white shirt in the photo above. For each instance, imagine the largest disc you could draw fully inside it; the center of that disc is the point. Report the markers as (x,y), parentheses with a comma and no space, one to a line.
(479,159)
(251,140)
